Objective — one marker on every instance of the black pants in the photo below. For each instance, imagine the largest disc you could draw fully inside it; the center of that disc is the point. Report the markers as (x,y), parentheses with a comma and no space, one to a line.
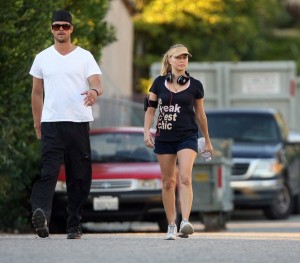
(68,141)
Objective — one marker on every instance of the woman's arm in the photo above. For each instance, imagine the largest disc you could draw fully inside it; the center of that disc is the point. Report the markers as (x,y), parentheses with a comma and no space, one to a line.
(149,116)
(202,123)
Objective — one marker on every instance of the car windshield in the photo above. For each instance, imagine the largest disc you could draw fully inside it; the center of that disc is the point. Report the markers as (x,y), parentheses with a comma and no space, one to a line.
(243,127)
(120,147)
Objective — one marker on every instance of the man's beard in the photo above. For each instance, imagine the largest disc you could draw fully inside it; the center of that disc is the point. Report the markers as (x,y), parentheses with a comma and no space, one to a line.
(62,40)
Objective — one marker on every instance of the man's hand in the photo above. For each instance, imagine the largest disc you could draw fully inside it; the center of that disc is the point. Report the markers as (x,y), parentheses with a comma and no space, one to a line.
(90,98)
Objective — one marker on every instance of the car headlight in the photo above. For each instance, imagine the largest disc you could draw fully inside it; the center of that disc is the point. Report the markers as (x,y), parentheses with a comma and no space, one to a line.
(149,184)
(267,168)
(61,186)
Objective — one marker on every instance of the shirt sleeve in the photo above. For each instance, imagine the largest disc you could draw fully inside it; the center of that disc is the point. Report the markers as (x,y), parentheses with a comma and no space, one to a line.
(92,66)
(155,85)
(199,90)
(35,70)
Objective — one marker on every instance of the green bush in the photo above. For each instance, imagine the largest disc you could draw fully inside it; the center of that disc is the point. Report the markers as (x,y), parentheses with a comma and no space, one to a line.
(25,31)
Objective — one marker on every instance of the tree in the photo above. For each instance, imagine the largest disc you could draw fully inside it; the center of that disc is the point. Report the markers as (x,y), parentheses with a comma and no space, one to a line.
(214,30)
(25,31)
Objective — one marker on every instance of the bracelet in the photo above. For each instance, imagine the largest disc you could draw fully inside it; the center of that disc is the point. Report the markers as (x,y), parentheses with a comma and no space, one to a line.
(96,92)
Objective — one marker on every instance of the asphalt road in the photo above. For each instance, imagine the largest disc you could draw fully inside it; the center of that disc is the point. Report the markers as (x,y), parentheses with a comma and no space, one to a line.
(248,238)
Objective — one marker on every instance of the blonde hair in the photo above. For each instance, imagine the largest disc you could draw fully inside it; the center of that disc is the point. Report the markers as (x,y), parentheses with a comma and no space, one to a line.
(165,64)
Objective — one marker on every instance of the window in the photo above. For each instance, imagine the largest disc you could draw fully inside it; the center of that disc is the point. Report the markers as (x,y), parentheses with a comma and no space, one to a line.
(120,147)
(259,128)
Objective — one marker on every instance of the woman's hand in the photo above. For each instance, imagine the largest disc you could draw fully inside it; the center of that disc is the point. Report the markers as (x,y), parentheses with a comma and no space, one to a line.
(209,147)
(149,140)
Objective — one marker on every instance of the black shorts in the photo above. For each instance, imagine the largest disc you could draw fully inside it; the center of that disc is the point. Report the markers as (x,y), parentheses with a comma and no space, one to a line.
(165,147)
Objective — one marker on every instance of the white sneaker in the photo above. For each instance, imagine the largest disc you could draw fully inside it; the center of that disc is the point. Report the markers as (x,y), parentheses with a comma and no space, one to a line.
(186,229)
(172,233)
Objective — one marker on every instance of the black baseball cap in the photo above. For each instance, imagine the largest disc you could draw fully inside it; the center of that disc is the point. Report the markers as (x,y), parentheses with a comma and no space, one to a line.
(61,15)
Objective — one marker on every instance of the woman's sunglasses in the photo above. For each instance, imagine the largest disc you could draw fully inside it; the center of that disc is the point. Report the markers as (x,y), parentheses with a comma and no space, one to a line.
(57,27)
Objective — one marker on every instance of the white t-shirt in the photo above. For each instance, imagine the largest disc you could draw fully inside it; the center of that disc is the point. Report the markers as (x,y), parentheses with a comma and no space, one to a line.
(65,78)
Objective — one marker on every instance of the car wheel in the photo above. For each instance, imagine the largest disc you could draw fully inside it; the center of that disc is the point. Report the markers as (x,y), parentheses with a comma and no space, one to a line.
(178,220)
(163,224)
(282,206)
(57,226)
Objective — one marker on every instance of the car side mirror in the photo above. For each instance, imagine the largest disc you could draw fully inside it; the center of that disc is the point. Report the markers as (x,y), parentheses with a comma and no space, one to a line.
(293,137)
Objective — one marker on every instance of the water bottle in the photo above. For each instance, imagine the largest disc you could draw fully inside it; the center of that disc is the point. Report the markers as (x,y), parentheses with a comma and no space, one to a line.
(201,146)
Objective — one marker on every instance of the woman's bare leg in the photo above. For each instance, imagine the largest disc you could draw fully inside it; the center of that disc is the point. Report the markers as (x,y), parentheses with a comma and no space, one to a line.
(167,164)
(186,158)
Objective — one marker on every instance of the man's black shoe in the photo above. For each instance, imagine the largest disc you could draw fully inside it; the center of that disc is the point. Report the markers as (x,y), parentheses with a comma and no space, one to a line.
(39,222)
(76,234)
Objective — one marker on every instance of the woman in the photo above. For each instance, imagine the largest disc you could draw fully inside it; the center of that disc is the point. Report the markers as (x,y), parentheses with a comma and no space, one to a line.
(181,112)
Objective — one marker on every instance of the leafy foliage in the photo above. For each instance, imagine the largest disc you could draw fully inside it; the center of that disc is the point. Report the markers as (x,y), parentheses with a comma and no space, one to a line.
(213,30)
(25,31)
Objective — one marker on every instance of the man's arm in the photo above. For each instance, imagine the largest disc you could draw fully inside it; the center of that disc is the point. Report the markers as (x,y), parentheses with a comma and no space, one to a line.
(37,96)
(95,90)
(96,84)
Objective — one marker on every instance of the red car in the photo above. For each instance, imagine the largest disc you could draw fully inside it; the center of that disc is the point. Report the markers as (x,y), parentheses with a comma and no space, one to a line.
(126,181)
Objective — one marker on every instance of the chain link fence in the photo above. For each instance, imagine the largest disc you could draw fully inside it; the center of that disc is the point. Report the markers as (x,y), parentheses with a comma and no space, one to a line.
(116,112)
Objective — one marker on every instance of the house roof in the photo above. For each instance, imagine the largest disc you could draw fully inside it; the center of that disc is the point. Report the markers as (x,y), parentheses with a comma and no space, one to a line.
(130,6)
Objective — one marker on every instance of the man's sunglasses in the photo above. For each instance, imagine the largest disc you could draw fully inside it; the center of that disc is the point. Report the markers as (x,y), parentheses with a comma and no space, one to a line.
(57,27)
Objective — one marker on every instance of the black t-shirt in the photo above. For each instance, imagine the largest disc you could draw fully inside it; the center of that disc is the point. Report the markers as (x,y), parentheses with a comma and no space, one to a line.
(176,119)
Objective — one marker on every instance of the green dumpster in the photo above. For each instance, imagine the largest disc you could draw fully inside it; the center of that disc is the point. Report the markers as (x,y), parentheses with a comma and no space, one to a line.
(213,196)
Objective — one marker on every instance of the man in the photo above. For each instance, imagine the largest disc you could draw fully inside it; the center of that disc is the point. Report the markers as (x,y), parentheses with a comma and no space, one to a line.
(66,83)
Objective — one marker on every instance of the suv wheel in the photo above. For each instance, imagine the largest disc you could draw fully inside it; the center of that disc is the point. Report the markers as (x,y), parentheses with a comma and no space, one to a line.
(282,206)
(297,204)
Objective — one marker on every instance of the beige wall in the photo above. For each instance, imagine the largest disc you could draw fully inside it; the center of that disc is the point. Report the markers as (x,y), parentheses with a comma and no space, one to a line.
(116,61)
